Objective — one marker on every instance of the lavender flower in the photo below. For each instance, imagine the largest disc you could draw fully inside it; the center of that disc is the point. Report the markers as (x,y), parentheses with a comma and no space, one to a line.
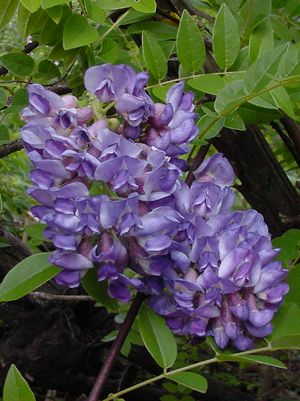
(207,270)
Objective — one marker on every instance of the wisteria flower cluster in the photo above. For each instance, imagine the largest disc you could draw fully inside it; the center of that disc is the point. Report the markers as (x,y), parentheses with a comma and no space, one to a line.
(207,269)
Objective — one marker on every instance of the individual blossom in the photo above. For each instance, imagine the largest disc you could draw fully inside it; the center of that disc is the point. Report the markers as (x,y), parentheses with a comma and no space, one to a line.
(173,125)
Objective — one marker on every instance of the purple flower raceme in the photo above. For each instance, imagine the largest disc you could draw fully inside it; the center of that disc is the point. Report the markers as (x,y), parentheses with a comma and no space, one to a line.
(207,270)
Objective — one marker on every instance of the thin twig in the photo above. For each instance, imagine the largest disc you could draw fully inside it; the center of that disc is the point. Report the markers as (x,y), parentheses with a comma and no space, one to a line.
(115,349)
(45,296)
(10,147)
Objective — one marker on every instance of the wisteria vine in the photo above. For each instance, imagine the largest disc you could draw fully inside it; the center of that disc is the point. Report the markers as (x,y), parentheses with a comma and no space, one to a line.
(206,269)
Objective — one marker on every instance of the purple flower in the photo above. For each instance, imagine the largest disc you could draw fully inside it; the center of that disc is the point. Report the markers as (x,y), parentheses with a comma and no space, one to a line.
(108,81)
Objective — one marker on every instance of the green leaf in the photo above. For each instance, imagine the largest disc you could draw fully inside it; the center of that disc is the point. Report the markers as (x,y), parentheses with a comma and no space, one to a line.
(78,32)
(23,21)
(7,11)
(254,12)
(286,332)
(115,4)
(261,359)
(210,126)
(157,337)
(26,276)
(191,380)
(55,13)
(289,63)
(257,115)
(160,91)
(145,6)
(110,51)
(154,57)
(190,44)
(230,96)
(261,71)
(261,39)
(98,290)
(48,70)
(94,10)
(283,101)
(53,3)
(30,23)
(19,64)
(31,5)
(157,29)
(4,135)
(226,38)
(289,243)
(208,83)
(234,121)
(15,387)
(3,98)
(20,98)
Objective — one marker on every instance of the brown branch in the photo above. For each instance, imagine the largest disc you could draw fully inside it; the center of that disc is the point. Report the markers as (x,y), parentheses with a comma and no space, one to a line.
(293,131)
(10,147)
(116,347)
(27,49)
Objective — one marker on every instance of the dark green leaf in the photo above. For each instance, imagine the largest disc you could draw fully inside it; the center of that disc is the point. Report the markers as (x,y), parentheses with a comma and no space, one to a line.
(18,63)
(157,338)
(154,57)
(20,98)
(145,6)
(261,359)
(26,276)
(191,380)
(78,32)
(110,51)
(7,11)
(257,115)
(226,38)
(31,5)
(16,388)
(98,290)
(48,69)
(190,44)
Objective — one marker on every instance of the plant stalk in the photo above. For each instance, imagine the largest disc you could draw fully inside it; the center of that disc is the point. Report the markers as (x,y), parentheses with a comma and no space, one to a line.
(116,347)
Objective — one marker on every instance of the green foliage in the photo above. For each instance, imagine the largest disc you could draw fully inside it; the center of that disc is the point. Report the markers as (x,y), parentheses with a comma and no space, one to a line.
(19,64)
(78,32)
(261,359)
(190,45)
(191,380)
(15,387)
(157,337)
(226,38)
(26,276)
(154,57)
(98,290)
